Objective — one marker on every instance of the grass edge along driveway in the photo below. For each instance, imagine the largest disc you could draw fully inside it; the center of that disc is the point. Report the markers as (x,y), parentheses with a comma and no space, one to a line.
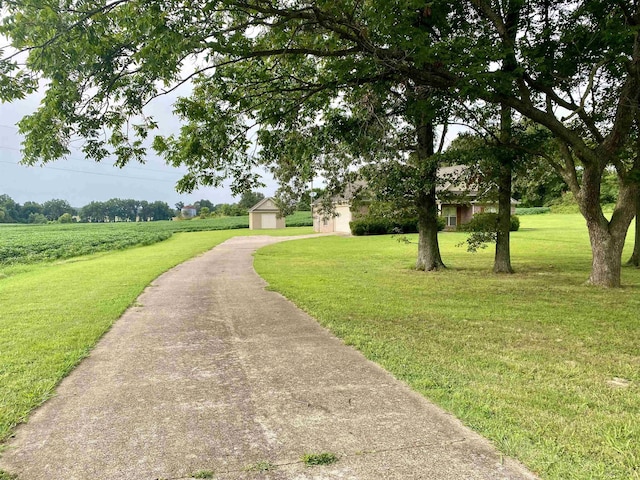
(545,366)
(52,314)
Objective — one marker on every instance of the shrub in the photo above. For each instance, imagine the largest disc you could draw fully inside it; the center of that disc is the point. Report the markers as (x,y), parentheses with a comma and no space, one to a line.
(37,218)
(488,222)
(383,226)
(515,223)
(483,229)
(565,204)
(65,218)
(370,226)
(204,212)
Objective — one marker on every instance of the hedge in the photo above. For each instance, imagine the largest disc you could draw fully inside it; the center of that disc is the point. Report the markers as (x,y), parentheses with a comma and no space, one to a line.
(384,226)
(532,210)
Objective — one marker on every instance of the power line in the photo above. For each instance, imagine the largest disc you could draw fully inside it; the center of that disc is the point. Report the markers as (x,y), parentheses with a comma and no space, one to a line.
(84,160)
(97,173)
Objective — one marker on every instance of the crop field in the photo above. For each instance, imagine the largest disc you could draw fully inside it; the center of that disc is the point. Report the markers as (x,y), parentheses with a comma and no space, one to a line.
(29,244)
(36,243)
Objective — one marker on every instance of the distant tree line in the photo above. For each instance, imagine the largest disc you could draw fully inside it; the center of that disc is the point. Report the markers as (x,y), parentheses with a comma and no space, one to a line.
(122,210)
(125,210)
(57,210)
(33,212)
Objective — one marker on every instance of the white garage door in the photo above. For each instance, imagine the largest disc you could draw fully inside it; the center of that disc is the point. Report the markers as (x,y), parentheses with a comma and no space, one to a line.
(269,220)
(343,219)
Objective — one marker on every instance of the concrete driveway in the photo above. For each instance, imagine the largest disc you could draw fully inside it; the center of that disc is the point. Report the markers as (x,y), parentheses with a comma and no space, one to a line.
(209,372)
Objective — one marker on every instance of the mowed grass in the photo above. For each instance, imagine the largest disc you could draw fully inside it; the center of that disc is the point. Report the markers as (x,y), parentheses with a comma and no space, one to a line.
(52,314)
(545,366)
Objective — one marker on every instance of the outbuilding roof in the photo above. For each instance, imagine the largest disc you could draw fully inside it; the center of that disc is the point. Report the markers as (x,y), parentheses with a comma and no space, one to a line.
(267,204)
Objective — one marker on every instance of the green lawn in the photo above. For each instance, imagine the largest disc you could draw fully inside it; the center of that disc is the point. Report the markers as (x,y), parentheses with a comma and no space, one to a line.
(543,365)
(53,313)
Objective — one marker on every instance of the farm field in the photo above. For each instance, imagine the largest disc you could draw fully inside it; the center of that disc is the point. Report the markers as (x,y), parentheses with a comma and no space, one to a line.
(545,366)
(35,243)
(53,313)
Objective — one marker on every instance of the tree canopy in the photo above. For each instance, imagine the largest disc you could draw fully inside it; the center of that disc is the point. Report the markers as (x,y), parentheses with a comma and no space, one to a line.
(322,87)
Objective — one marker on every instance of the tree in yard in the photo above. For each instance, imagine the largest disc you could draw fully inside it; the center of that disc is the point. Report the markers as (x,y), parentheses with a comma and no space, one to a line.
(507,158)
(576,73)
(492,154)
(491,163)
(404,171)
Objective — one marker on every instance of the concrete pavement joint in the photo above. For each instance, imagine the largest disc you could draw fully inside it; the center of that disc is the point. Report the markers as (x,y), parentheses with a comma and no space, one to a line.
(360,453)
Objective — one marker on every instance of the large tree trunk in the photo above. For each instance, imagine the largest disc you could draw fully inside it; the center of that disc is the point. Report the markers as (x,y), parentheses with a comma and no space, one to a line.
(502,259)
(635,256)
(428,247)
(606,252)
(607,237)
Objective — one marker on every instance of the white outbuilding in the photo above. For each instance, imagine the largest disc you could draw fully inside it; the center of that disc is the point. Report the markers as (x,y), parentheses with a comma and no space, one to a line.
(265,215)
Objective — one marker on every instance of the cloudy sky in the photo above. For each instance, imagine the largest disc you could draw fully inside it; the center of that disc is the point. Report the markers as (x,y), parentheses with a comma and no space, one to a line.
(80,181)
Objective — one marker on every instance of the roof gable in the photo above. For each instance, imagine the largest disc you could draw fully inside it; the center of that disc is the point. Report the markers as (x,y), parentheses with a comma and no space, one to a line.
(265,205)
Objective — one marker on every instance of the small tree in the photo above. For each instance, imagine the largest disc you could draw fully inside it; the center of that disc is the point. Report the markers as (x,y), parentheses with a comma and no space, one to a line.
(204,212)
(37,218)
(65,218)
(55,208)
(249,199)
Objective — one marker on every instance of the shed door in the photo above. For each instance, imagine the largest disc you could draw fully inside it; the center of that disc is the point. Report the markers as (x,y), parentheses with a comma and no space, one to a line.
(343,219)
(269,220)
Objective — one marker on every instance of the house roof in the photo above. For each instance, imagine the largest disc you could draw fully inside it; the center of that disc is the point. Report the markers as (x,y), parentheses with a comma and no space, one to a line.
(264,205)
(351,190)
(456,181)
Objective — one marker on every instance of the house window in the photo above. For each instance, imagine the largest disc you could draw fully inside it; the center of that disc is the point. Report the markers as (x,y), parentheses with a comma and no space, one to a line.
(450,215)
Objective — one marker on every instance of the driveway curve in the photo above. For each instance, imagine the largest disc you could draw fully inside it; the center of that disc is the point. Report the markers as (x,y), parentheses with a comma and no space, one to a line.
(210,372)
